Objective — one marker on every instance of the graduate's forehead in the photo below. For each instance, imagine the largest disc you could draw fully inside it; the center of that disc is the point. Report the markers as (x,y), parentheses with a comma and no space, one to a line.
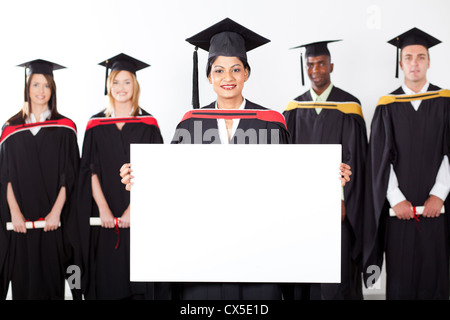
(123,75)
(415,49)
(227,61)
(317,59)
(38,77)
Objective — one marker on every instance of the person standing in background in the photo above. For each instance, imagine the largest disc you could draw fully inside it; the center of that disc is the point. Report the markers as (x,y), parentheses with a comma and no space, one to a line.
(408,174)
(39,161)
(106,146)
(326,114)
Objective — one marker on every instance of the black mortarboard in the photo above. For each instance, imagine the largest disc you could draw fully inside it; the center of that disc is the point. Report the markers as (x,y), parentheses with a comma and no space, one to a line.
(314,49)
(38,66)
(225,38)
(122,62)
(412,37)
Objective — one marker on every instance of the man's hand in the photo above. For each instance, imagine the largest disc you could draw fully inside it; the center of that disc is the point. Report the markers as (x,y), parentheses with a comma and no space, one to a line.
(433,207)
(404,210)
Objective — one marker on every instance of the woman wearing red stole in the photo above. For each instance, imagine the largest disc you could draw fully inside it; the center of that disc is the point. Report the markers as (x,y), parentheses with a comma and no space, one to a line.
(39,161)
(231,119)
(106,146)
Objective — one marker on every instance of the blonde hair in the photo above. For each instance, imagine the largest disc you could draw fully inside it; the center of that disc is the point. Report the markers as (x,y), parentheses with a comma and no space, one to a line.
(134,99)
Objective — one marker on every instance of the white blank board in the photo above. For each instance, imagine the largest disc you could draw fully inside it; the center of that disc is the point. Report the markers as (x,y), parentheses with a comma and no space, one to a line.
(235,213)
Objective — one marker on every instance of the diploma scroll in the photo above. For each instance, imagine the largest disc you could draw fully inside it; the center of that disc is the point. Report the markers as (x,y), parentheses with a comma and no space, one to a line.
(417,210)
(39,224)
(96,221)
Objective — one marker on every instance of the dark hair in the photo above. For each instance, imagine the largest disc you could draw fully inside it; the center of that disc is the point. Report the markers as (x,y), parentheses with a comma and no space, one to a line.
(20,117)
(211,61)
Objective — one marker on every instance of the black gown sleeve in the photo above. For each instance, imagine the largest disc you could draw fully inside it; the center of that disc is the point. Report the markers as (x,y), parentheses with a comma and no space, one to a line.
(4,239)
(354,154)
(69,222)
(85,204)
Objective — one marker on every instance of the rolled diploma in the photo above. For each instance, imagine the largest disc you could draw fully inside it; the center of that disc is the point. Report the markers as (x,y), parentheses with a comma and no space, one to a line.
(96,221)
(40,224)
(419,210)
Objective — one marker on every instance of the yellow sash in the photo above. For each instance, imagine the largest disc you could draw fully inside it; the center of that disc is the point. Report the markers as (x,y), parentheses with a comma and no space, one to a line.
(408,98)
(345,107)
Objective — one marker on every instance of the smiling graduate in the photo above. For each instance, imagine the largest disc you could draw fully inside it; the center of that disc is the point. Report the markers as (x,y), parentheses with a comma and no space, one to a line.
(230,119)
(106,146)
(227,43)
(39,162)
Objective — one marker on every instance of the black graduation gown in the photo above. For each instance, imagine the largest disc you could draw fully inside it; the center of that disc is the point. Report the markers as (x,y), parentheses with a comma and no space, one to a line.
(187,132)
(106,252)
(345,126)
(252,129)
(37,167)
(414,142)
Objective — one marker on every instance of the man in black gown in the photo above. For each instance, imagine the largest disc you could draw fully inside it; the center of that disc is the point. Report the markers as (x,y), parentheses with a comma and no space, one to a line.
(408,171)
(326,114)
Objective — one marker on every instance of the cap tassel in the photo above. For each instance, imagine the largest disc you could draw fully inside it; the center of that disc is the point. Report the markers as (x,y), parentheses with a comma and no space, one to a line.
(195,94)
(25,87)
(301,67)
(106,78)
(398,62)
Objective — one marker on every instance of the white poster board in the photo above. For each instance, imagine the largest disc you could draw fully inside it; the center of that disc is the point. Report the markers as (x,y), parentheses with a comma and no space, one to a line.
(235,213)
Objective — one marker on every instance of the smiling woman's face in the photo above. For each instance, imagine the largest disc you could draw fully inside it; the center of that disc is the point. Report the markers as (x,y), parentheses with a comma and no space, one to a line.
(227,76)
(40,92)
(122,87)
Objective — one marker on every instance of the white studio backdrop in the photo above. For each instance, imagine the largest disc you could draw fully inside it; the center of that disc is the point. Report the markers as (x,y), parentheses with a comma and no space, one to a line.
(80,34)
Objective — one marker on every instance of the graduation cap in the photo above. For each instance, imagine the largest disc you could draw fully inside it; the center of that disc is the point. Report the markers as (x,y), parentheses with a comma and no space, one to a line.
(38,66)
(225,38)
(122,62)
(413,36)
(314,49)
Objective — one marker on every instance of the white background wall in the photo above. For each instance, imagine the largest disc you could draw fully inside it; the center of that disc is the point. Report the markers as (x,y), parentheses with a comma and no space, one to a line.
(80,34)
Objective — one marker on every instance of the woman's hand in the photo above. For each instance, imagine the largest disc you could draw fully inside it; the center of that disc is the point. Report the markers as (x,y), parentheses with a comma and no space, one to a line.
(18,222)
(106,217)
(125,219)
(345,173)
(17,218)
(52,220)
(125,173)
